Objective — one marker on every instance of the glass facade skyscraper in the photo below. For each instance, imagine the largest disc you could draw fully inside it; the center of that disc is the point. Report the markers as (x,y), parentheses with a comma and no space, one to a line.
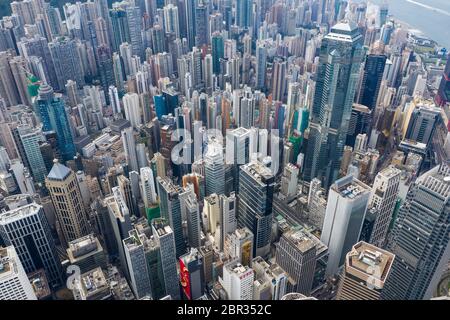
(341,55)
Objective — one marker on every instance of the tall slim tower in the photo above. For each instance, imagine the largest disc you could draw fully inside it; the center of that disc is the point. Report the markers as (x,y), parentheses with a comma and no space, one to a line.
(66,197)
(165,238)
(346,208)
(256,188)
(341,55)
(51,110)
(421,238)
(214,169)
(129,146)
(169,195)
(383,199)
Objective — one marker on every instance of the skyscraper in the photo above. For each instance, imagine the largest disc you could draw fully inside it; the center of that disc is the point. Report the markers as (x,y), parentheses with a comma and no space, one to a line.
(169,195)
(66,197)
(296,254)
(171,23)
(14,283)
(218,49)
(366,270)
(214,169)
(421,238)
(382,203)
(371,81)
(29,138)
(192,276)
(66,61)
(342,52)
(256,188)
(51,110)
(346,208)
(166,240)
(27,229)
(129,147)
(137,265)
(244,13)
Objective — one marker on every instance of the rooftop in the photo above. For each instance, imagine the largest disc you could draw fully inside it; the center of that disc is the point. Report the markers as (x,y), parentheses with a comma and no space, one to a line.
(83,246)
(19,213)
(39,283)
(366,260)
(59,171)
(350,187)
(300,240)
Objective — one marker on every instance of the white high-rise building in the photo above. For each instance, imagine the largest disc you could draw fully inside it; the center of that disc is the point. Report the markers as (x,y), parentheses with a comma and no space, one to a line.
(129,147)
(14,283)
(238,281)
(383,199)
(214,169)
(132,109)
(148,187)
(228,221)
(346,209)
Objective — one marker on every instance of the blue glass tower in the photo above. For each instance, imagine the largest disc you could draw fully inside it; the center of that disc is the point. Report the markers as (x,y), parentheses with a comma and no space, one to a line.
(51,111)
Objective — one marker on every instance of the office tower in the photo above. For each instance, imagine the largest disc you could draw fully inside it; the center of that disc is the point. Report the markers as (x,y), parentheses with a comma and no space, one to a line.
(218,51)
(201,24)
(189,11)
(239,245)
(244,13)
(211,213)
(237,152)
(126,189)
(129,147)
(87,253)
(132,109)
(289,181)
(66,61)
(134,21)
(296,254)
(148,187)
(192,276)
(51,110)
(261,60)
(360,123)
(8,88)
(346,208)
(20,74)
(214,169)
(382,201)
(119,219)
(270,280)
(422,124)
(443,94)
(342,51)
(26,227)
(14,283)
(371,81)
(279,80)
(29,139)
(66,197)
(256,188)
(190,210)
(421,238)
(171,24)
(238,281)
(169,195)
(228,219)
(120,29)
(165,239)
(105,68)
(137,265)
(365,272)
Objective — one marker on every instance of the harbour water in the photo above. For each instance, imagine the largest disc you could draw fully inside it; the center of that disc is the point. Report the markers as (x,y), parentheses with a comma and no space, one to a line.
(431,17)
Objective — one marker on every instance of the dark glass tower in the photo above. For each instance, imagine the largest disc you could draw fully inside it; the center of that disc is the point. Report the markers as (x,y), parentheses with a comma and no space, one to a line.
(373,74)
(341,55)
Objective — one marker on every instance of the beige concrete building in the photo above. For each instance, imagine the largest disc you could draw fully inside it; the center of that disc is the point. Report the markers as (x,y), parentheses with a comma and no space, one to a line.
(366,270)
(66,197)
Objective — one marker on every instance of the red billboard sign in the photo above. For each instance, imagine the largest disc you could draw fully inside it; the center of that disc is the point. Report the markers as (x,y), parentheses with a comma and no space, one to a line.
(184,280)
